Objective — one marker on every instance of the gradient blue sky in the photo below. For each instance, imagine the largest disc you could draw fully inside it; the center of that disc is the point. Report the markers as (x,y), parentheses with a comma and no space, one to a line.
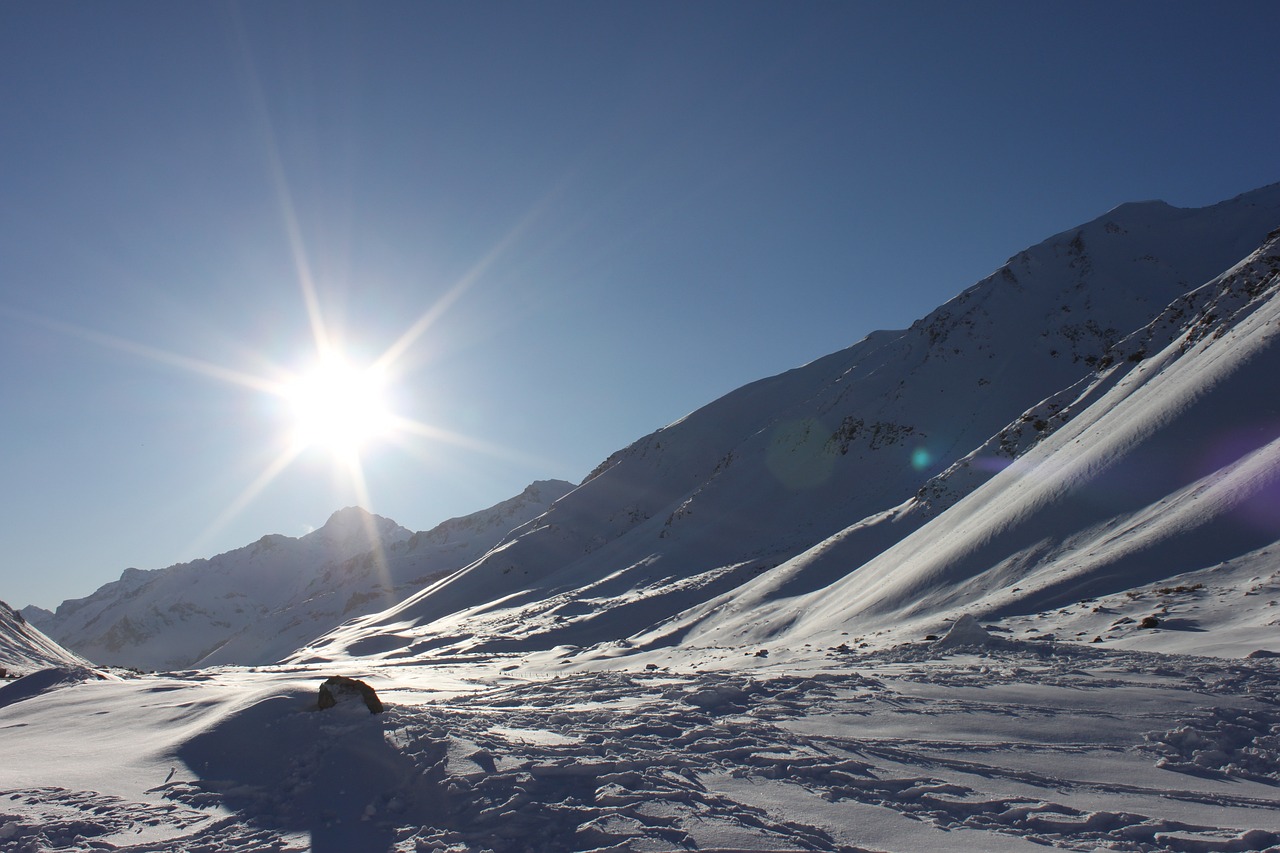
(618,212)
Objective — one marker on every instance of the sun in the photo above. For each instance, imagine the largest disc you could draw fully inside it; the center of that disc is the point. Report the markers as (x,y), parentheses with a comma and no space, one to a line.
(338,407)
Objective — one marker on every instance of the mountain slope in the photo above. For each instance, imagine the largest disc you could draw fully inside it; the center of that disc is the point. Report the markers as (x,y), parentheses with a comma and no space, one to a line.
(1165,465)
(24,648)
(683,520)
(255,604)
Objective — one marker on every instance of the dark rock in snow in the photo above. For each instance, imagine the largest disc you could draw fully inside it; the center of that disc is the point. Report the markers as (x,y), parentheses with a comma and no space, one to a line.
(1262,653)
(339,688)
(1149,622)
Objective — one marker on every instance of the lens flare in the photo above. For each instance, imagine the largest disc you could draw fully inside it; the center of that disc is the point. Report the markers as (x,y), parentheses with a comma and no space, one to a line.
(921,458)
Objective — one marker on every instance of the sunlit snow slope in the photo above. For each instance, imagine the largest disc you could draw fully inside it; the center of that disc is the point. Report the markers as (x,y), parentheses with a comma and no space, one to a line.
(1165,462)
(24,648)
(1130,378)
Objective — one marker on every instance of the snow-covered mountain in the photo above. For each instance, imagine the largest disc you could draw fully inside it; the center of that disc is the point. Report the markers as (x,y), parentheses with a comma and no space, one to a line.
(256,604)
(24,648)
(1163,463)
(832,498)
(375,579)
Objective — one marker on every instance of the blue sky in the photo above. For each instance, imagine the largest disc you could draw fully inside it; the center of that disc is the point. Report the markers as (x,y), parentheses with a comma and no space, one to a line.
(612,213)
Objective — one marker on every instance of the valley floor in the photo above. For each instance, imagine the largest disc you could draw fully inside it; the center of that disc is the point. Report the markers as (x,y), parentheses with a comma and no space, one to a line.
(1032,746)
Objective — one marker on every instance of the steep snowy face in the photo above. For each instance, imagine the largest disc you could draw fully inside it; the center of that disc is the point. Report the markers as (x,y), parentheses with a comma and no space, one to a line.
(24,648)
(258,603)
(1165,462)
(693,511)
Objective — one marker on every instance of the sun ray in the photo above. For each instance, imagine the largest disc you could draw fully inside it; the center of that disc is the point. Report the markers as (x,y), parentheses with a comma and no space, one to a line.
(284,197)
(161,356)
(397,349)
(250,492)
(405,426)
(355,470)
(337,411)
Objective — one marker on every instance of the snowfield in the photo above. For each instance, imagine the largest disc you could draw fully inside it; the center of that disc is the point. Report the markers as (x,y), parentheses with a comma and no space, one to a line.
(1084,728)
(1010,745)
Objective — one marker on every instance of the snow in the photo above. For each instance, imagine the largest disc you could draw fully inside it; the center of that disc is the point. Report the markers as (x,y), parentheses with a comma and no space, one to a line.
(1031,745)
(24,648)
(966,631)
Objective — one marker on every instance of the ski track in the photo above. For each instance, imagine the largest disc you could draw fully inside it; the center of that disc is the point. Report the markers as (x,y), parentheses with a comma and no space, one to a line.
(656,760)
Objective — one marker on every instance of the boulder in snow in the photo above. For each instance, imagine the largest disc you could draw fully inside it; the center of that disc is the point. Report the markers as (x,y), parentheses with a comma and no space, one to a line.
(339,688)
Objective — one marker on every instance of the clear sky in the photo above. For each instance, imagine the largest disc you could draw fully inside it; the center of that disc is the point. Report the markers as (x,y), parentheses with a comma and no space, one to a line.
(559,226)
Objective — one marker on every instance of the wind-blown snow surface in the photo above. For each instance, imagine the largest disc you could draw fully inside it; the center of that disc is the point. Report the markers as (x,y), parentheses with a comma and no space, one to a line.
(1015,746)
(257,604)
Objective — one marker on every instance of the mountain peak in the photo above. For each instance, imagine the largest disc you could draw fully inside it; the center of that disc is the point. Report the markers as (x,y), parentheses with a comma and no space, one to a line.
(348,515)
(358,521)
(538,487)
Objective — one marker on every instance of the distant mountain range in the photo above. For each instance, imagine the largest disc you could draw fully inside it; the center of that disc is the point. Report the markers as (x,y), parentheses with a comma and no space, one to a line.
(1097,414)
(258,603)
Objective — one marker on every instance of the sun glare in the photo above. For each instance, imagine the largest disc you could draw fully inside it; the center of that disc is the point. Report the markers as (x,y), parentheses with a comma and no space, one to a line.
(339,408)
(334,408)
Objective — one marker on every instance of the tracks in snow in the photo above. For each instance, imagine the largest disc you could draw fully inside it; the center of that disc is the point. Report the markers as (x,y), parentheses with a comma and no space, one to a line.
(1034,746)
